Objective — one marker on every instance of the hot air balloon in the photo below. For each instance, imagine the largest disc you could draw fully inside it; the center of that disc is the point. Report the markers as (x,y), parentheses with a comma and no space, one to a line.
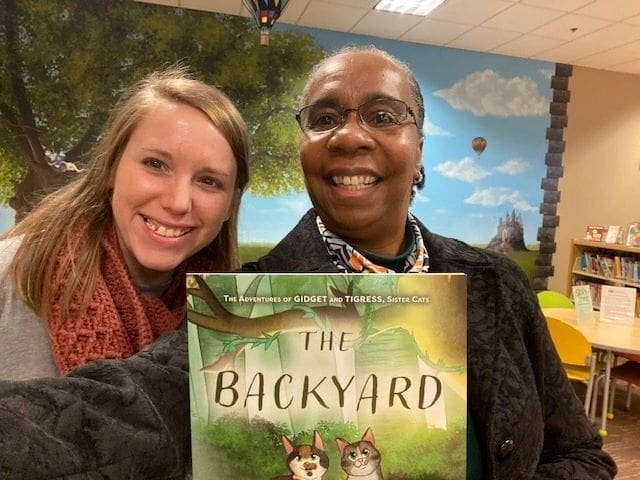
(265,12)
(478,144)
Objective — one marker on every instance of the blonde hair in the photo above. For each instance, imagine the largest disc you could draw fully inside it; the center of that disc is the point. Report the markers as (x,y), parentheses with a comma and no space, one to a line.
(74,219)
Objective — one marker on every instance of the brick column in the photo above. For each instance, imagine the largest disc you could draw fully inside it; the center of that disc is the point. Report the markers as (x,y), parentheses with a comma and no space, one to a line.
(553,161)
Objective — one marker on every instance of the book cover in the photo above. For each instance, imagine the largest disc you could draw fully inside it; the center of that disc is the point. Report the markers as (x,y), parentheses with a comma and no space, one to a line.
(325,376)
(594,233)
(633,234)
(583,303)
(613,234)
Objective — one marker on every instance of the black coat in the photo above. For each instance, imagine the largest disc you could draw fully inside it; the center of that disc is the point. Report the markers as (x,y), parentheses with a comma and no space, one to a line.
(129,419)
(528,416)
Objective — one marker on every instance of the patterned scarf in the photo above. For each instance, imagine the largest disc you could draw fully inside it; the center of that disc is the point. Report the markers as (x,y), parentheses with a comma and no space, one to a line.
(119,320)
(347,259)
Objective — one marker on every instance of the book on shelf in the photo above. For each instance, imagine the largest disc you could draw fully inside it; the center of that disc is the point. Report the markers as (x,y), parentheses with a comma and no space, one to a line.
(608,266)
(294,368)
(594,233)
(613,234)
(633,234)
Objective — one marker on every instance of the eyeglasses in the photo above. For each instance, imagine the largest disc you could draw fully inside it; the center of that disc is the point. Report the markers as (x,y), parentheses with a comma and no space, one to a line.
(379,114)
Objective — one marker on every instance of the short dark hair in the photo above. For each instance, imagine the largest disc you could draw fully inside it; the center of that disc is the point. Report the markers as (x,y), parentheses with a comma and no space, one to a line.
(413,84)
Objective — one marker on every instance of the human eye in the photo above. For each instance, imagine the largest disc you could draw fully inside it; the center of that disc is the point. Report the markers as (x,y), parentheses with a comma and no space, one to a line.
(210,181)
(321,119)
(154,163)
(382,113)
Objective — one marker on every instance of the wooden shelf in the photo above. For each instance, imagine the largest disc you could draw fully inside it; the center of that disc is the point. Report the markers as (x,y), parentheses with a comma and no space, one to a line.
(591,262)
(617,247)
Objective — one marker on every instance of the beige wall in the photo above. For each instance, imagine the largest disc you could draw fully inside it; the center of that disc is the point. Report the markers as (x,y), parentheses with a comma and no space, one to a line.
(601,182)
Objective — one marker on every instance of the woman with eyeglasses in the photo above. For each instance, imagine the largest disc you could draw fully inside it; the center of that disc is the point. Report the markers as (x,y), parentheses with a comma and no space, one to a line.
(361,153)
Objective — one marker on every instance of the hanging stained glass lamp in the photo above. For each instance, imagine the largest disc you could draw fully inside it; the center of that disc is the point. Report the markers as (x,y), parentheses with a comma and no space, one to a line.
(265,12)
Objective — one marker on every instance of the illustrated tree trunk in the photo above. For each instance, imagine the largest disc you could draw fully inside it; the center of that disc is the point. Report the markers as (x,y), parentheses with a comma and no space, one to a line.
(39,180)
(19,116)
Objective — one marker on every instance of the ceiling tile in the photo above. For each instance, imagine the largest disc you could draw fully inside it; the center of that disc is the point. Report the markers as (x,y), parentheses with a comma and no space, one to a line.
(385,24)
(564,5)
(614,10)
(469,12)
(633,48)
(331,16)
(435,32)
(522,18)
(633,20)
(527,46)
(483,39)
(608,37)
(222,6)
(606,59)
(560,28)
(293,11)
(561,54)
(628,67)
(368,4)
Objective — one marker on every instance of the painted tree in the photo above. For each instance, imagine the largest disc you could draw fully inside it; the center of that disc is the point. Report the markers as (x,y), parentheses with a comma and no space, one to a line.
(63,64)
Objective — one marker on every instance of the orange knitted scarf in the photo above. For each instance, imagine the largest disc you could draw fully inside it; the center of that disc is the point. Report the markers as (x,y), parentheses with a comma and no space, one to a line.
(119,320)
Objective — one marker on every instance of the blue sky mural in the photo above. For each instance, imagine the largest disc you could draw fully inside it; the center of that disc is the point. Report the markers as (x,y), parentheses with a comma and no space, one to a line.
(467,94)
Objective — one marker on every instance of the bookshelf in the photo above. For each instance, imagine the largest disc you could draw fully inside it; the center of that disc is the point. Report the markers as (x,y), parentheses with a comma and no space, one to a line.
(598,263)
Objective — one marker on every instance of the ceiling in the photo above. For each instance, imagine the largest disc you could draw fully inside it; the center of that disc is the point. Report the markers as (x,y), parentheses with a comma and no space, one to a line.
(602,34)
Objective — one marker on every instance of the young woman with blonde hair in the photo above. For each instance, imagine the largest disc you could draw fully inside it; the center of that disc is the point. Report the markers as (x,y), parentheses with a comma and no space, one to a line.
(96,270)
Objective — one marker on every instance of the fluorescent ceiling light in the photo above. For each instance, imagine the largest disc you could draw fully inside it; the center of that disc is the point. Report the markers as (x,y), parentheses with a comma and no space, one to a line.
(412,7)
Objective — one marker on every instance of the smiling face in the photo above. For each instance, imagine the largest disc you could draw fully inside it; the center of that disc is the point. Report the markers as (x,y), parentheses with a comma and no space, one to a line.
(359,179)
(173,189)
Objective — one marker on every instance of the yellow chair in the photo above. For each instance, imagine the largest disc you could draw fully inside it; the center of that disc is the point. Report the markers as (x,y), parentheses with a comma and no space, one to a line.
(553,299)
(578,359)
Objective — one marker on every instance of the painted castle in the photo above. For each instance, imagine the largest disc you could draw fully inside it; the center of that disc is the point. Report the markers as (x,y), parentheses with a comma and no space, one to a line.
(510,234)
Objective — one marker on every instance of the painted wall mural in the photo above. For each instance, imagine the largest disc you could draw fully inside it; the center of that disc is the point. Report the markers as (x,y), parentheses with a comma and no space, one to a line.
(64,63)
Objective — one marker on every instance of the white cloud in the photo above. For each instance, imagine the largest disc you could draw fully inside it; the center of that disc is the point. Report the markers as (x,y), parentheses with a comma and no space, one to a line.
(487,93)
(430,128)
(420,197)
(466,170)
(515,166)
(497,196)
(296,206)
(547,73)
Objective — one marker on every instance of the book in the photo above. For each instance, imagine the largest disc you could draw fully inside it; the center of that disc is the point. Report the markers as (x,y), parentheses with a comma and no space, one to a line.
(594,233)
(282,365)
(633,234)
(583,302)
(613,234)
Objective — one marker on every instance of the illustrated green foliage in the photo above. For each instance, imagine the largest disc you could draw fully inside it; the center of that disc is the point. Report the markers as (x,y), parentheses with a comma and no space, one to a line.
(73,59)
(408,455)
(11,172)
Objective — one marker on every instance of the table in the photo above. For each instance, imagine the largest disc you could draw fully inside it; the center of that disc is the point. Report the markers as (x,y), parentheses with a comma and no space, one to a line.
(611,338)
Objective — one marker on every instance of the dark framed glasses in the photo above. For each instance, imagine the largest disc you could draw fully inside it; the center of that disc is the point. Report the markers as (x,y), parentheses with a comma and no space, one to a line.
(379,114)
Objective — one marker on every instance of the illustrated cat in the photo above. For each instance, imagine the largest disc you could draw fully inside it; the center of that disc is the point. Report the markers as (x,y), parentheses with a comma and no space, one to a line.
(306,462)
(361,459)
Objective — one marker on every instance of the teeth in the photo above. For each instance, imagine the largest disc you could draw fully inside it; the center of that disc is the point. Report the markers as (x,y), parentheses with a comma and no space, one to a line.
(165,231)
(355,182)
